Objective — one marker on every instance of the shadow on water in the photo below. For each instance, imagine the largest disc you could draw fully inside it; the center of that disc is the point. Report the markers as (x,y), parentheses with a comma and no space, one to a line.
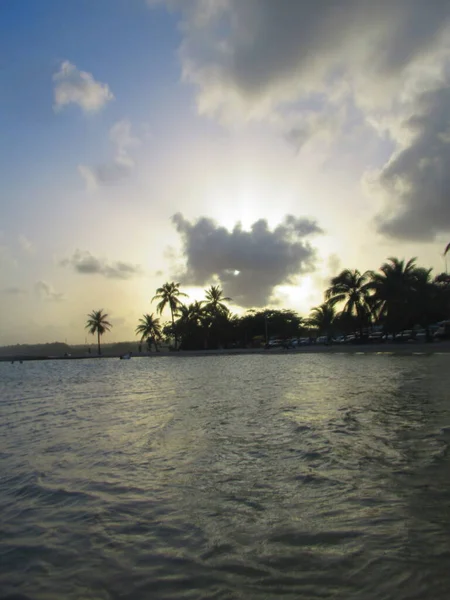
(231,477)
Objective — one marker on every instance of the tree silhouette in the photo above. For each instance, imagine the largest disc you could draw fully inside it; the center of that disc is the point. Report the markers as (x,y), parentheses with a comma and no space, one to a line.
(149,328)
(354,289)
(169,295)
(323,318)
(97,323)
(393,288)
(215,301)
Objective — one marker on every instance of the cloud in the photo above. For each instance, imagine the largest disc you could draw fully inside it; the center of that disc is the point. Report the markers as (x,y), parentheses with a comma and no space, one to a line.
(248,264)
(14,291)
(46,292)
(73,86)
(415,182)
(256,56)
(87,264)
(122,164)
(26,245)
(308,67)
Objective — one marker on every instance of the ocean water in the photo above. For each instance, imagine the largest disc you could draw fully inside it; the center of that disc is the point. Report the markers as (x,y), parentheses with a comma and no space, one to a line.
(228,477)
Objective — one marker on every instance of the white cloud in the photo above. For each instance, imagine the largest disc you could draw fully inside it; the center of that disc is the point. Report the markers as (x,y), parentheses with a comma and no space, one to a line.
(73,86)
(47,293)
(123,141)
(120,166)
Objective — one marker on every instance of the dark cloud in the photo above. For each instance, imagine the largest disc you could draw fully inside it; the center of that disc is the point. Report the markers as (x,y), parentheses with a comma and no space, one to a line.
(295,63)
(249,264)
(416,181)
(263,53)
(87,264)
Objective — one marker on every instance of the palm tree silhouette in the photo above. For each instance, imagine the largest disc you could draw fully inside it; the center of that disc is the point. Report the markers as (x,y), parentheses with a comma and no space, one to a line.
(149,328)
(169,294)
(215,301)
(353,288)
(323,317)
(393,288)
(97,323)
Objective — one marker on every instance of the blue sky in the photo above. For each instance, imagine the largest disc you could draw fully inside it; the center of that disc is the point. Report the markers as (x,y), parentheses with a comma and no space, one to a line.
(124,43)
(115,115)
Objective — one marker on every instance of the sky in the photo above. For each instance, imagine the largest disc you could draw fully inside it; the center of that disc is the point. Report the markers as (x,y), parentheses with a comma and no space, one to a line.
(262,146)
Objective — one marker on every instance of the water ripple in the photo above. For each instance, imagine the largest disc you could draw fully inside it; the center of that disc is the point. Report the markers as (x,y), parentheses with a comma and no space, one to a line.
(320,476)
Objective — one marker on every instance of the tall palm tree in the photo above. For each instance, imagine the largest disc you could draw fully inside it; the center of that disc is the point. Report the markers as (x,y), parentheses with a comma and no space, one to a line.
(149,328)
(323,317)
(190,323)
(97,323)
(169,295)
(353,288)
(393,287)
(215,301)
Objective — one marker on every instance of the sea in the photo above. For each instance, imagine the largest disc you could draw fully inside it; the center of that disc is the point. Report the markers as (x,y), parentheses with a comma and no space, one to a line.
(320,476)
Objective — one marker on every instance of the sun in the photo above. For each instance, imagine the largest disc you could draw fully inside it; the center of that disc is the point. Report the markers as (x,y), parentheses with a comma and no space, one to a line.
(300,296)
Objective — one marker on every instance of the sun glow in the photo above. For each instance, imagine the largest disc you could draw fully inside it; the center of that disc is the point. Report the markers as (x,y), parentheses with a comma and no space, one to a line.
(300,297)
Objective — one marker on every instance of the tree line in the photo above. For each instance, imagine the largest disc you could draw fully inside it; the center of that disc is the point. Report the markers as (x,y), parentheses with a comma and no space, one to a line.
(400,295)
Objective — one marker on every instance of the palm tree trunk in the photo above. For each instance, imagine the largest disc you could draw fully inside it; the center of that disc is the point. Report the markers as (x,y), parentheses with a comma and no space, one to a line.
(173,328)
(98,343)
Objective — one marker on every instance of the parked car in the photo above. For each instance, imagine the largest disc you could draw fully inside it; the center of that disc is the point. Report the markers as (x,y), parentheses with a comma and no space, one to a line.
(404,336)
(420,335)
(376,337)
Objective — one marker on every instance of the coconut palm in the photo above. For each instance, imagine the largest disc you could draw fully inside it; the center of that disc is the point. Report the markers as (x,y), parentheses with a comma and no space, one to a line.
(192,313)
(149,328)
(393,287)
(97,323)
(169,295)
(323,317)
(353,288)
(215,301)
(192,323)
(197,312)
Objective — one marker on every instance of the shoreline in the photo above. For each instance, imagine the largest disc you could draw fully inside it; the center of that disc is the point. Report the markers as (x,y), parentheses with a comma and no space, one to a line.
(387,348)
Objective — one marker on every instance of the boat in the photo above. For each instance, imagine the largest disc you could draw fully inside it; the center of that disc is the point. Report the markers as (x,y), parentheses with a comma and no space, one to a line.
(126,356)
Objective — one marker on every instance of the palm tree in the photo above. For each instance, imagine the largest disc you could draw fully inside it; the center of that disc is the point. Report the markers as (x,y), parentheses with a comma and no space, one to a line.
(215,301)
(149,328)
(169,294)
(97,323)
(192,313)
(197,312)
(191,324)
(393,288)
(353,288)
(323,317)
